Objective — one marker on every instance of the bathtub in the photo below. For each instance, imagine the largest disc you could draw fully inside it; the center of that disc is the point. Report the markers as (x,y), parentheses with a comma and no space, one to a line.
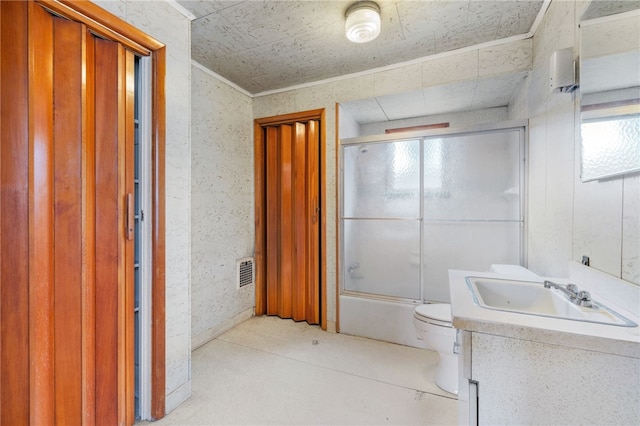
(385,320)
(392,320)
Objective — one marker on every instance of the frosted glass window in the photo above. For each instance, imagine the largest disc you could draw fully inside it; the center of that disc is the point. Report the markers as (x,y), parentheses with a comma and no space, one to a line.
(382,180)
(470,246)
(472,176)
(610,147)
(382,257)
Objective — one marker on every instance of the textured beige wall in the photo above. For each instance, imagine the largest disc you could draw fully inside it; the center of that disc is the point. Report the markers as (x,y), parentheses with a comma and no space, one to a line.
(222,214)
(566,217)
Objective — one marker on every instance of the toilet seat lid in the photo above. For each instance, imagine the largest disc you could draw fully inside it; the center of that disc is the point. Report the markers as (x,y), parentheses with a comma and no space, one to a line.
(437,311)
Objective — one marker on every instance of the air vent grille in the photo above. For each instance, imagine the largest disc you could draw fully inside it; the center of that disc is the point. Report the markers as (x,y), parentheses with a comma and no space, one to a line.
(245,271)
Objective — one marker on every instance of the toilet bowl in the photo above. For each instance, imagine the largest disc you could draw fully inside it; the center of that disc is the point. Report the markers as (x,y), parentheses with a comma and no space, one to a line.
(434,328)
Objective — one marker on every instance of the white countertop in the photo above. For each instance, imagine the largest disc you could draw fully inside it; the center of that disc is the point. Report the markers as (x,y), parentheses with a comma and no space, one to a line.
(624,341)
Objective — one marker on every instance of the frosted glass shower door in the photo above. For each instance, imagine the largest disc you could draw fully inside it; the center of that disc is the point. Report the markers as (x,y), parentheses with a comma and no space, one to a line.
(413,209)
(381,225)
(472,205)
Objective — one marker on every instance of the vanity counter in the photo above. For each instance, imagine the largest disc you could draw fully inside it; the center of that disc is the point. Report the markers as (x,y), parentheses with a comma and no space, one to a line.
(518,368)
(610,339)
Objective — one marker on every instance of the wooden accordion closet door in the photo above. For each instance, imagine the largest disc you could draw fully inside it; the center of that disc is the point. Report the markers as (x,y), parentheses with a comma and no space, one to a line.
(66,352)
(292,220)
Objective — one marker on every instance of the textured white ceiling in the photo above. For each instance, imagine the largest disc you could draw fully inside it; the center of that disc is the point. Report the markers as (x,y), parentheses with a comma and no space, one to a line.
(268,45)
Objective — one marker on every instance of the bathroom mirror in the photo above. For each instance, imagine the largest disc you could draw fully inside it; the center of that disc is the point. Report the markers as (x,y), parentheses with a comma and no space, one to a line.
(610,89)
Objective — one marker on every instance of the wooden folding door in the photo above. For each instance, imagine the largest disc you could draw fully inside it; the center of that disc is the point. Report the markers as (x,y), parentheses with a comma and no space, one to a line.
(292,220)
(66,352)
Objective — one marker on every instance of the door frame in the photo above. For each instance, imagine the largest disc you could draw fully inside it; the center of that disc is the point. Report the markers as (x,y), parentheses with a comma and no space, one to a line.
(111,27)
(261,206)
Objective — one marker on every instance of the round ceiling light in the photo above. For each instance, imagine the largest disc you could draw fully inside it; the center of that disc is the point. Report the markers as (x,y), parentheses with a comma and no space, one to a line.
(363,21)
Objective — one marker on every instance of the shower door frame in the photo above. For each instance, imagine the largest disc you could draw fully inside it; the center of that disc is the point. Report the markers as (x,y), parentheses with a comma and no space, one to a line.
(519,125)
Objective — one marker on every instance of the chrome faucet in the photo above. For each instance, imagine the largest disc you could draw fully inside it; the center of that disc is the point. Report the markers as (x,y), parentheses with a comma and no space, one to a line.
(578,297)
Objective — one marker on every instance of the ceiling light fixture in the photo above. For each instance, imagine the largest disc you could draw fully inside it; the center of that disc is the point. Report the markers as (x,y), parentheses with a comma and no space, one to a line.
(363,21)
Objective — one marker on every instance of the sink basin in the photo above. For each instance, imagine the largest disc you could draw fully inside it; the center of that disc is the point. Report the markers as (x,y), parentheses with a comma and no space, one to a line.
(532,298)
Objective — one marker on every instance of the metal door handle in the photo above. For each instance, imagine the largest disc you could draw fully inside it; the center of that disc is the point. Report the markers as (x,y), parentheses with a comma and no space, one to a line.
(130,217)
(316,210)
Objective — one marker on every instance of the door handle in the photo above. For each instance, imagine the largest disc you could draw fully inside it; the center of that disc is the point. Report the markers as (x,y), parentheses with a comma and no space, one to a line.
(316,209)
(130,217)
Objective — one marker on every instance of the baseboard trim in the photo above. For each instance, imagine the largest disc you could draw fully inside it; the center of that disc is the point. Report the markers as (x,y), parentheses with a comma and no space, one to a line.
(204,338)
(177,397)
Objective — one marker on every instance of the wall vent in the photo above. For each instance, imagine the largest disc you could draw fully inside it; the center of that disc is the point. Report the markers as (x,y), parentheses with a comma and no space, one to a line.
(246,271)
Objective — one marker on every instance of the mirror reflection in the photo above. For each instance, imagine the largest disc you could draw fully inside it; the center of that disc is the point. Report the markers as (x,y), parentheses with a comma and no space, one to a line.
(610,89)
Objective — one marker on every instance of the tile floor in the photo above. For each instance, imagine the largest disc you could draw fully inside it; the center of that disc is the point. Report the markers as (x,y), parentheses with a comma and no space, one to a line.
(273,371)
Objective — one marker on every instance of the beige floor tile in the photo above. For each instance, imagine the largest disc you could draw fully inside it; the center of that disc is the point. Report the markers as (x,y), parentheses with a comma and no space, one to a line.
(272,371)
(391,363)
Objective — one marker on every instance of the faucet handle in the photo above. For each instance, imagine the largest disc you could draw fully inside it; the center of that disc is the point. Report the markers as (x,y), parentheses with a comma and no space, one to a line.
(584,299)
(572,288)
(584,295)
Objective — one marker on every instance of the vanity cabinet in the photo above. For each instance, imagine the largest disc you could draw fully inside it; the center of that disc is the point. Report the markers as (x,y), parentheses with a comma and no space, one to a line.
(520,381)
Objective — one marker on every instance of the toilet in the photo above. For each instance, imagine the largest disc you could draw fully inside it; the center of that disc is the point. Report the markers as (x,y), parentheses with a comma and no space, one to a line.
(434,328)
